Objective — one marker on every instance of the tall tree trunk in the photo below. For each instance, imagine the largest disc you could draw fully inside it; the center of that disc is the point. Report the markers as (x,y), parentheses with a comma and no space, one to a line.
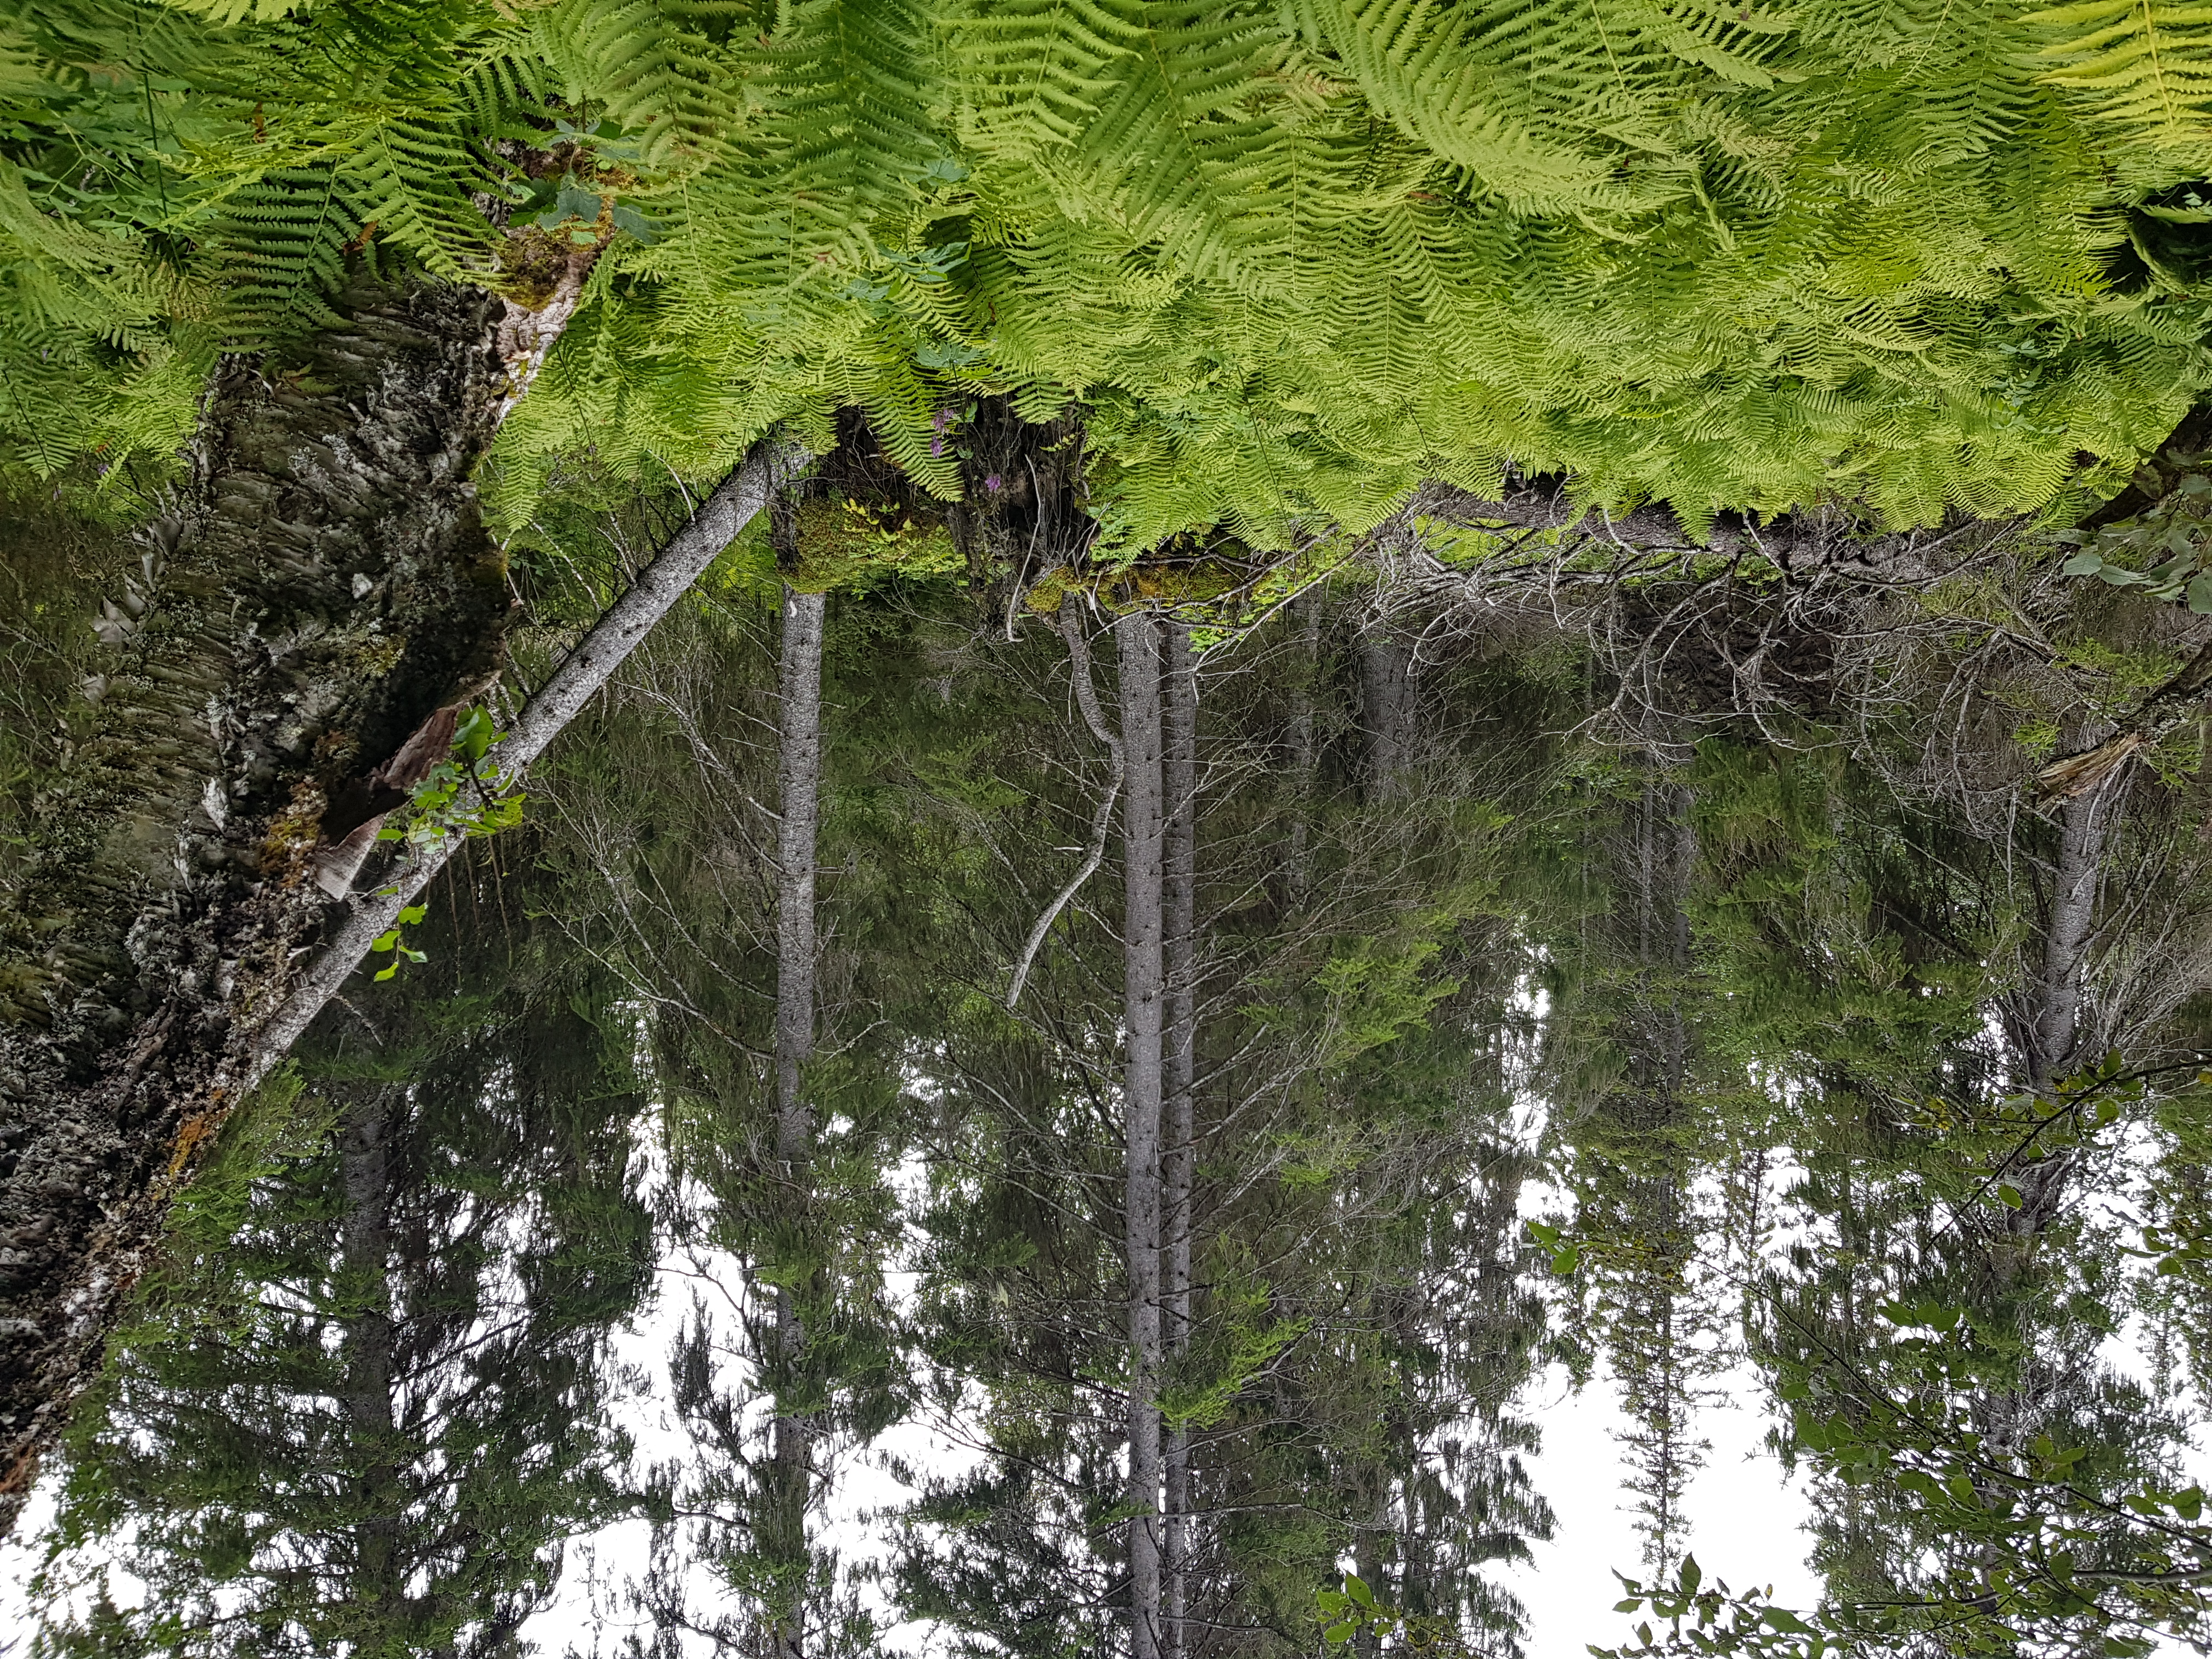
(365,1250)
(800,776)
(323,584)
(1386,708)
(1144,987)
(1179,774)
(2044,1017)
(2050,1028)
(1305,751)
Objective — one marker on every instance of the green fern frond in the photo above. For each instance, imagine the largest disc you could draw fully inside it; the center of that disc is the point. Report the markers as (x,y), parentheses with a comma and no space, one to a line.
(2144,66)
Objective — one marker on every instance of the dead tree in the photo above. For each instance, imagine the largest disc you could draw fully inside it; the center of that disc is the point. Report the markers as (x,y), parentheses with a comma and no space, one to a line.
(799,772)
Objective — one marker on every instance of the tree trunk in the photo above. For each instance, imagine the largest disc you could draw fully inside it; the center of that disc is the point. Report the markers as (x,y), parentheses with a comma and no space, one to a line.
(322,586)
(1386,705)
(1179,774)
(2046,1019)
(1144,976)
(1305,752)
(2052,1028)
(365,1250)
(799,775)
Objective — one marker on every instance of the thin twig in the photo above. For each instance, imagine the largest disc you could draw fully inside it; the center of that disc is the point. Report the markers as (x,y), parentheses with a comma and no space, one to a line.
(1087,699)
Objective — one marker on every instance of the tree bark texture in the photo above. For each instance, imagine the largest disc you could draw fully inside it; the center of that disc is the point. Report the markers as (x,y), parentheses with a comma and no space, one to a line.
(1386,710)
(1179,777)
(365,1250)
(321,585)
(2045,1021)
(1144,988)
(2051,1029)
(799,775)
(1305,750)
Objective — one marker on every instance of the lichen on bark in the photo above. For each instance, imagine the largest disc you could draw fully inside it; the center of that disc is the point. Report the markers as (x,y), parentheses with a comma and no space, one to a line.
(319,584)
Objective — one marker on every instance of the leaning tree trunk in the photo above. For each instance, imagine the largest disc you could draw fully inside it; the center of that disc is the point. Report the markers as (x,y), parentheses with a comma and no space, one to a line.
(1179,774)
(321,584)
(1143,975)
(800,773)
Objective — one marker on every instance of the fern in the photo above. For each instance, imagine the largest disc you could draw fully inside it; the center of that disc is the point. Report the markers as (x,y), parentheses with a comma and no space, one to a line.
(2145,67)
(1292,257)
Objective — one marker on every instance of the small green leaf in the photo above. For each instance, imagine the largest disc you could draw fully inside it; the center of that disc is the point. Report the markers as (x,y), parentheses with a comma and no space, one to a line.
(413,914)
(2084,563)
(2189,1503)
(2200,593)
(2010,1196)
(1356,1588)
(1338,1635)
(1693,1575)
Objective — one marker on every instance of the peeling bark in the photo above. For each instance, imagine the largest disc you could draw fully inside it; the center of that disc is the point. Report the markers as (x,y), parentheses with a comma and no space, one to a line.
(321,584)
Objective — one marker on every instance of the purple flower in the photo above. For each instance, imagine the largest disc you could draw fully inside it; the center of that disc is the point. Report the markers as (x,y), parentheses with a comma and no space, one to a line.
(991,483)
(937,445)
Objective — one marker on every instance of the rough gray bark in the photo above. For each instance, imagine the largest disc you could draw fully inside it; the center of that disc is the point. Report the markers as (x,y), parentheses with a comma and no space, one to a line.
(2051,1031)
(1386,710)
(2043,1019)
(799,774)
(1179,777)
(1305,752)
(1143,999)
(321,583)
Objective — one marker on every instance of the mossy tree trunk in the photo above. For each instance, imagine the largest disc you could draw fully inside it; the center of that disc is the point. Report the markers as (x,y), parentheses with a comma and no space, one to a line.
(321,586)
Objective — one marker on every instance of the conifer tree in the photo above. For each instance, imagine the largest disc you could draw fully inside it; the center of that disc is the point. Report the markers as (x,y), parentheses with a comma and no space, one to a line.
(364,1398)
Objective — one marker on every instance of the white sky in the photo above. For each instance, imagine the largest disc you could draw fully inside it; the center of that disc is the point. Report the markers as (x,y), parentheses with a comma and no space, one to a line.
(1745,1519)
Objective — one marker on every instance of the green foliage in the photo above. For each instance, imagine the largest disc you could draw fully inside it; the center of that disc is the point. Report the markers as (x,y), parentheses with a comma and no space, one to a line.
(464,795)
(360,1402)
(2160,551)
(1348,1614)
(1290,260)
